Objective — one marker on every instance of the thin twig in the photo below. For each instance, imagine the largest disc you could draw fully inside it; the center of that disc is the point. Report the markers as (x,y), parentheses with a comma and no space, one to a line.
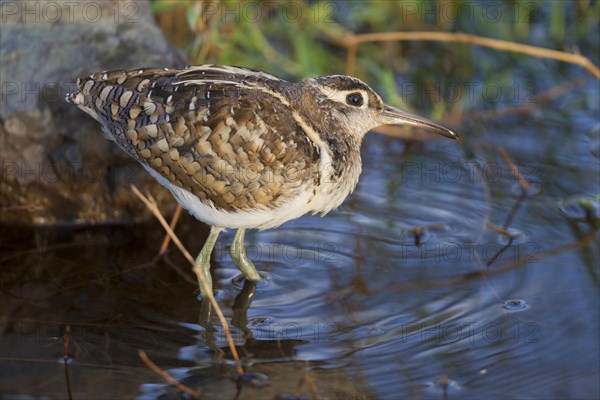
(513,168)
(354,40)
(66,339)
(513,211)
(487,273)
(165,375)
(444,382)
(522,183)
(507,246)
(167,239)
(499,230)
(151,204)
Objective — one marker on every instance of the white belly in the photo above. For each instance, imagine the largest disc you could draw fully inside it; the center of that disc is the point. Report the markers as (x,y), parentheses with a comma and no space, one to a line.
(259,218)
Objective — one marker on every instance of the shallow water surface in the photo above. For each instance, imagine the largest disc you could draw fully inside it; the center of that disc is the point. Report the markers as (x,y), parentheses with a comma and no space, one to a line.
(384,297)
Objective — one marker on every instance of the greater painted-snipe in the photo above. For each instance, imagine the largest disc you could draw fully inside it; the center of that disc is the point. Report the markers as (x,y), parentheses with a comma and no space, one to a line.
(241,148)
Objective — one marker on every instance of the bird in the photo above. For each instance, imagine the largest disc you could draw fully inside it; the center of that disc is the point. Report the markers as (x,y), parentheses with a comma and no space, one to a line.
(239,147)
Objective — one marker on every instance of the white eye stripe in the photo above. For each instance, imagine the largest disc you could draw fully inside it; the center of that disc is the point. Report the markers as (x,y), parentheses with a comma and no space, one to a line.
(340,95)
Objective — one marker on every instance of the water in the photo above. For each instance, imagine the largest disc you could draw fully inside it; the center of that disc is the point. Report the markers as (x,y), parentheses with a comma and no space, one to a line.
(383,297)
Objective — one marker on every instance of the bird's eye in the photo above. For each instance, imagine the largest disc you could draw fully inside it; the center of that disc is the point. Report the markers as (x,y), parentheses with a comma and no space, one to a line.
(354,99)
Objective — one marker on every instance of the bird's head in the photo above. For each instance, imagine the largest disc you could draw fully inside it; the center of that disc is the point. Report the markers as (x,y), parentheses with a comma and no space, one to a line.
(353,102)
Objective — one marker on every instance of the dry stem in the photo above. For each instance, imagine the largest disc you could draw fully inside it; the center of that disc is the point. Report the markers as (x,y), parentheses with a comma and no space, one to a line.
(165,375)
(513,168)
(352,42)
(151,204)
(66,340)
(167,239)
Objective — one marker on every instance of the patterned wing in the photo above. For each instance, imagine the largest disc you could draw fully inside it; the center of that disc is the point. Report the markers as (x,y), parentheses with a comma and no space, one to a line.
(224,134)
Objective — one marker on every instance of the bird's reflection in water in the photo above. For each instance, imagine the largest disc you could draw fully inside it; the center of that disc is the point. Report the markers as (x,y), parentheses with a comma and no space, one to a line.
(271,347)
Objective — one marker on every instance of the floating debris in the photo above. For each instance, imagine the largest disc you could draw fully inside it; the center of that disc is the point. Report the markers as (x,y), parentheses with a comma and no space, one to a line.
(515,305)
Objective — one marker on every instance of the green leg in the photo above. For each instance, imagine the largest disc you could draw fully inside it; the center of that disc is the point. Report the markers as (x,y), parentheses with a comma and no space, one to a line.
(203,259)
(241,260)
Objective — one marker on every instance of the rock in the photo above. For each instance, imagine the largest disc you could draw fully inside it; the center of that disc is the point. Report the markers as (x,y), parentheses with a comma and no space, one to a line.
(56,166)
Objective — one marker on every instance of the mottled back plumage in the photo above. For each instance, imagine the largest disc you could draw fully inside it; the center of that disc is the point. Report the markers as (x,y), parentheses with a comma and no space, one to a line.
(212,132)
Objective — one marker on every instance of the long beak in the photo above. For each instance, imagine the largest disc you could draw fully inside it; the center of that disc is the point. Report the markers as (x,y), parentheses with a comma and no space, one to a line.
(394,116)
